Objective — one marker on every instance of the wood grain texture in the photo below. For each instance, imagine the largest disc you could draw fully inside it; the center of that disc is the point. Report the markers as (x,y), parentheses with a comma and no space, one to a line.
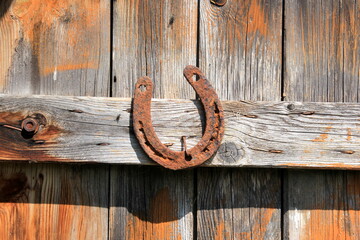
(157,39)
(54,47)
(243,202)
(258,134)
(322,64)
(151,203)
(47,201)
(326,210)
(60,47)
(322,52)
(240,48)
(240,53)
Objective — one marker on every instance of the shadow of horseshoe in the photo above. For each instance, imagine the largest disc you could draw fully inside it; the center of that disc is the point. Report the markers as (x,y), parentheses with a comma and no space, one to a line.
(4,7)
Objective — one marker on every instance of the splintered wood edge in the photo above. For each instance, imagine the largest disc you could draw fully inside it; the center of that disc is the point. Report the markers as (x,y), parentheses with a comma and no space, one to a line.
(257,134)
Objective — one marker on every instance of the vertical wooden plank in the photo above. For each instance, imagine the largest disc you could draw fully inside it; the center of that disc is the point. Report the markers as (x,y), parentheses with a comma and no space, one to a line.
(326,210)
(240,48)
(240,53)
(239,204)
(158,39)
(51,201)
(59,51)
(322,64)
(54,47)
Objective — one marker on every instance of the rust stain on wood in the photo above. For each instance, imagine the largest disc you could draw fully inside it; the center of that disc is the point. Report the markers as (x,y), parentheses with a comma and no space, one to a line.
(15,146)
(161,222)
(276,151)
(348,151)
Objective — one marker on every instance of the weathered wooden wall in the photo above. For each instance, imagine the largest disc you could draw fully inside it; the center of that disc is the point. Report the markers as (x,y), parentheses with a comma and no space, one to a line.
(249,49)
(322,56)
(240,48)
(56,48)
(154,38)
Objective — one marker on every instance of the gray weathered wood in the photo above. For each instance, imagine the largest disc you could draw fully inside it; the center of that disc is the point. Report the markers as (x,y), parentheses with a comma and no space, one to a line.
(273,134)
(54,47)
(240,48)
(157,39)
(322,64)
(240,53)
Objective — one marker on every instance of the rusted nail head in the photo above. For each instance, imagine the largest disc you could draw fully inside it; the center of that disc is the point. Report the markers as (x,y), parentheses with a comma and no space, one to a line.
(30,125)
(219,3)
(291,107)
(308,113)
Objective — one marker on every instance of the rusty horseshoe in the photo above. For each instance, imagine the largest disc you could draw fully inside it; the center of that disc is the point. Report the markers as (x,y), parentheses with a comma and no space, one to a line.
(208,144)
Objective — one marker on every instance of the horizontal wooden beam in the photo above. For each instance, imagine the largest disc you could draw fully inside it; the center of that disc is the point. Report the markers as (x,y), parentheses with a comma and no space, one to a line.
(257,134)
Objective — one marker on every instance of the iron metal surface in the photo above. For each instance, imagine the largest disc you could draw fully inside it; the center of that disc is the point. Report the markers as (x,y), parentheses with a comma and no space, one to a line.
(149,141)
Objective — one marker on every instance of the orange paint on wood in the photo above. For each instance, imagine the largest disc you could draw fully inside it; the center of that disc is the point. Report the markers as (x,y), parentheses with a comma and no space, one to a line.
(250,22)
(322,165)
(323,136)
(66,67)
(74,22)
(258,19)
(220,232)
(325,225)
(9,34)
(349,134)
(37,204)
(256,231)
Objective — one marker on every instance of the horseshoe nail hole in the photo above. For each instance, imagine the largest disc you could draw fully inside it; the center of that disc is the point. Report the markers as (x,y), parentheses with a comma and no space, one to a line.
(142,88)
(188,157)
(195,77)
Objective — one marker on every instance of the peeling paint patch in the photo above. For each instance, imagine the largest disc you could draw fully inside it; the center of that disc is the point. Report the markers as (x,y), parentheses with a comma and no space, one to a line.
(66,67)
(324,136)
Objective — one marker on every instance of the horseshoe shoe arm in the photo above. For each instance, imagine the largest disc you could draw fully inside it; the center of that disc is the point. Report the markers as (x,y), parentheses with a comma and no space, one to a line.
(145,133)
